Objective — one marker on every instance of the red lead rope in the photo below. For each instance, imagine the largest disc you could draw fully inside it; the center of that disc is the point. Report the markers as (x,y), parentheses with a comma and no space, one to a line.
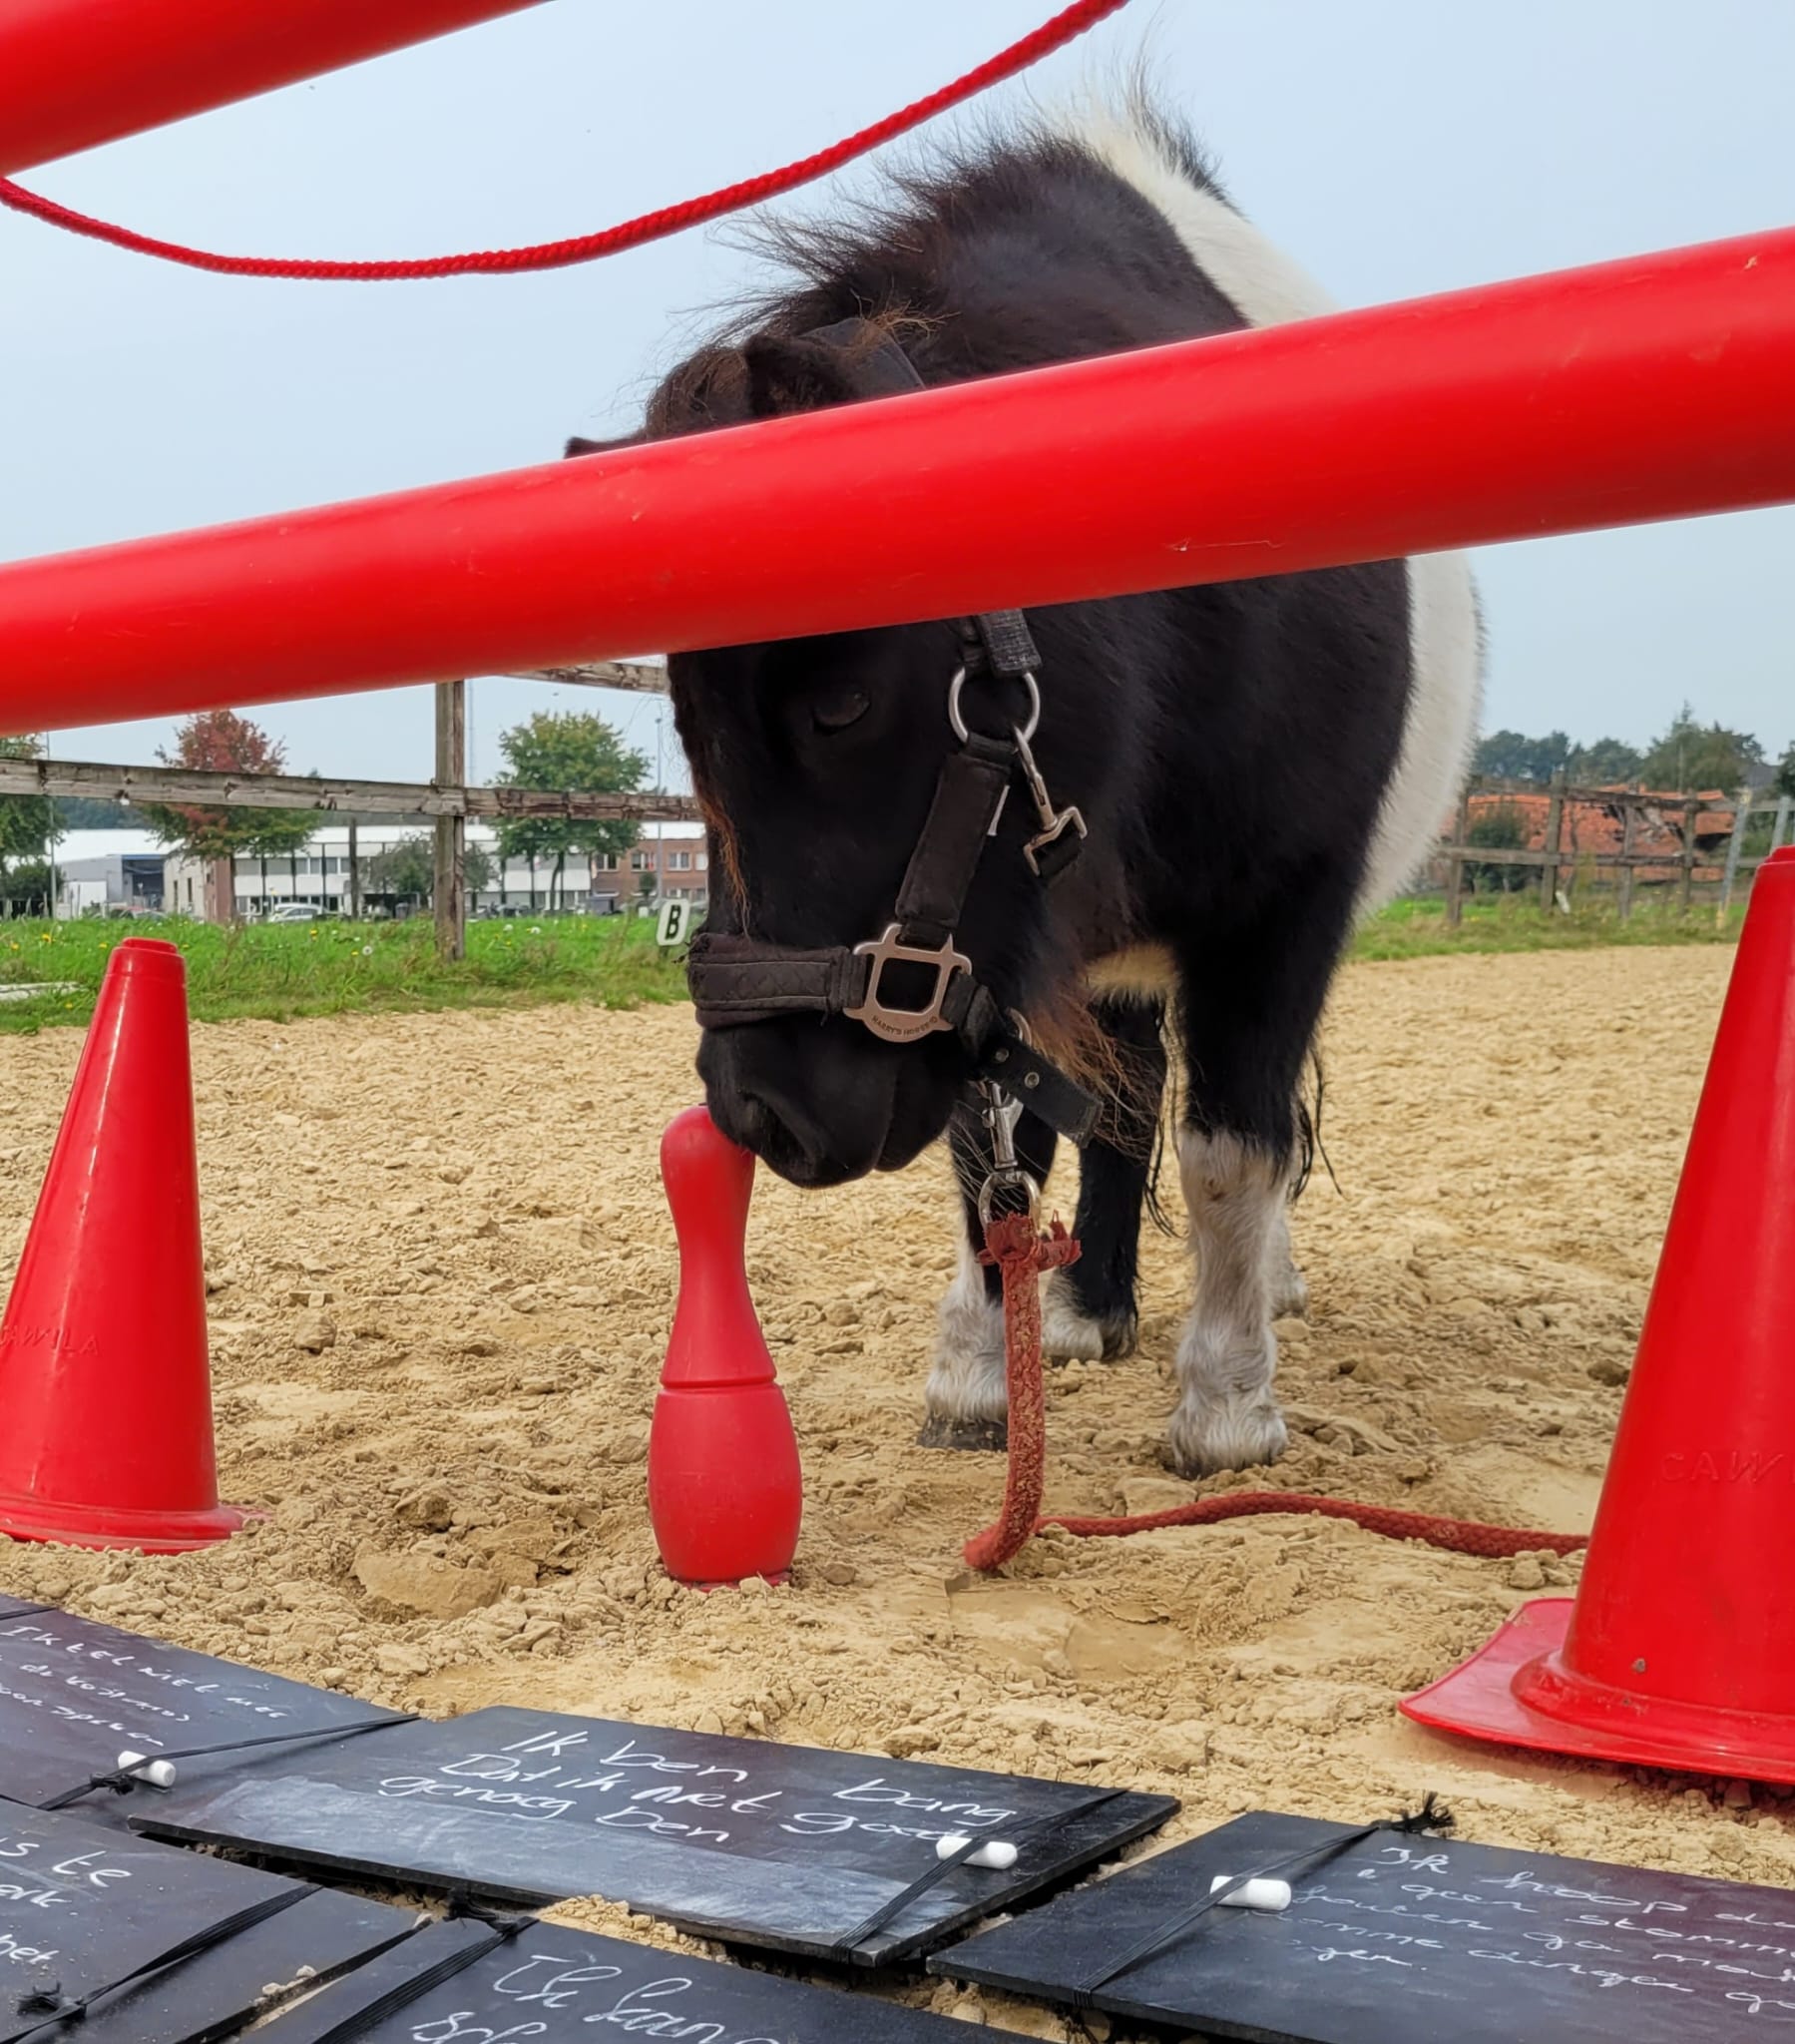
(1022,1256)
(1053,35)
(1022,1253)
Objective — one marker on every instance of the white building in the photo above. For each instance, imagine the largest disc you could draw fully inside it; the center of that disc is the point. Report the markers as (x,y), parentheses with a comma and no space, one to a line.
(99,871)
(670,859)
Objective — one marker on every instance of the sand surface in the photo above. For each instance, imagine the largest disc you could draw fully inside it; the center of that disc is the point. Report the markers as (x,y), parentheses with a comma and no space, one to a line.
(442,1276)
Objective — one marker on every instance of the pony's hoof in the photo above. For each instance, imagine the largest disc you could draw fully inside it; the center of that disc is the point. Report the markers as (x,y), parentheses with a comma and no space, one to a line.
(1209,1438)
(989,1436)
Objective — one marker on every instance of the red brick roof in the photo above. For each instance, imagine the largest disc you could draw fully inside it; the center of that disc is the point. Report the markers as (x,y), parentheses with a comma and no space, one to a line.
(1595,830)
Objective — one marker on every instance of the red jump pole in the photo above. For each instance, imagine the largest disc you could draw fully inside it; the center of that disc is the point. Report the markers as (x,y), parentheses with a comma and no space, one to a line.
(75,73)
(1663,386)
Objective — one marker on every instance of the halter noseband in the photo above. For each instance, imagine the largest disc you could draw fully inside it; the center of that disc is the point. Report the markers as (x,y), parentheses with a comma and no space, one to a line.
(737,980)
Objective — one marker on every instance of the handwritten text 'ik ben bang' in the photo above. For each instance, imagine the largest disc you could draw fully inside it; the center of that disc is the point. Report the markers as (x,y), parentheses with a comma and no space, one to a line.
(533,1781)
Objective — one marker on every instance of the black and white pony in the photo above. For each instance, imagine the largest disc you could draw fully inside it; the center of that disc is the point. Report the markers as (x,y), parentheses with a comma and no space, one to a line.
(1257,764)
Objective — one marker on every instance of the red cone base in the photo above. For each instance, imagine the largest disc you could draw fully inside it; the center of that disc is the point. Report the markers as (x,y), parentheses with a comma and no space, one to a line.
(25,1518)
(1679,1649)
(105,1383)
(1520,1691)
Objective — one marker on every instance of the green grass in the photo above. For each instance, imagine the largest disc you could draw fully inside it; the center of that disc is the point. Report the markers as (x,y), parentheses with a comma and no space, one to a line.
(1417,929)
(279,972)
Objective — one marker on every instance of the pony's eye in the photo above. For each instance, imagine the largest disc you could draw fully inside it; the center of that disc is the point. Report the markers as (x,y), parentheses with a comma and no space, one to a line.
(839,709)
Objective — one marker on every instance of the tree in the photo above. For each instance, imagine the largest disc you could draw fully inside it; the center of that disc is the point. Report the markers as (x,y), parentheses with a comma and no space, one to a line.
(1608,762)
(1785,772)
(1512,755)
(221,741)
(1691,756)
(569,751)
(407,869)
(25,888)
(1500,827)
(477,869)
(27,824)
(92,813)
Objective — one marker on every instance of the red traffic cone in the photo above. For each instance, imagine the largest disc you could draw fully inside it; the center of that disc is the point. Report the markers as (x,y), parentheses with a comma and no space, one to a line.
(725,1494)
(105,1392)
(1679,1651)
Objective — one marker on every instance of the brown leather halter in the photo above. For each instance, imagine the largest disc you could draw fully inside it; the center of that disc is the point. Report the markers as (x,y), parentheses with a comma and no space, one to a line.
(739,980)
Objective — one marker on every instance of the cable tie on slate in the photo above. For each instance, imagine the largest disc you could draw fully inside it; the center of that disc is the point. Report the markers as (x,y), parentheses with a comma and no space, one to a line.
(134,1770)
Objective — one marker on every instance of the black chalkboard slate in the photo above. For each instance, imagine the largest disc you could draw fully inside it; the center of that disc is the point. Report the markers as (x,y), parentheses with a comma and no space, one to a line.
(349,2007)
(74,1694)
(1413,1940)
(785,1847)
(82,1908)
(555,1984)
(216,1992)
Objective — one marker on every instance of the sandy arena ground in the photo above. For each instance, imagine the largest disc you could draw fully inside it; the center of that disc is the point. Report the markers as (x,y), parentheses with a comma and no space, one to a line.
(442,1276)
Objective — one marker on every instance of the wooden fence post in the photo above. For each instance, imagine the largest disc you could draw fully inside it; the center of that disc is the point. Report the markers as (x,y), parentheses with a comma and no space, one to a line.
(1735,845)
(1455,866)
(1629,829)
(1783,805)
(1685,893)
(450,888)
(1551,845)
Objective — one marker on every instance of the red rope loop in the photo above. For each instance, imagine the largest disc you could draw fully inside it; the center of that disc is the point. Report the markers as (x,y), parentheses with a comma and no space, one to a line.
(1012,1243)
(1022,1253)
(1053,35)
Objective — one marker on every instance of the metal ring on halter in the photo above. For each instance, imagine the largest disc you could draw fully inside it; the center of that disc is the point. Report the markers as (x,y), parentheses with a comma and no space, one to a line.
(959,722)
(1015,1179)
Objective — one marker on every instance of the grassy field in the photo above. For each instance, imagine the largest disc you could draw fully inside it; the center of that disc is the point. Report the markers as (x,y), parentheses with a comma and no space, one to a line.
(331,968)
(278,972)
(1512,922)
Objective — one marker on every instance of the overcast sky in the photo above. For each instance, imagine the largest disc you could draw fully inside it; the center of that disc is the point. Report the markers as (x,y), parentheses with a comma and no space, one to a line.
(1396,147)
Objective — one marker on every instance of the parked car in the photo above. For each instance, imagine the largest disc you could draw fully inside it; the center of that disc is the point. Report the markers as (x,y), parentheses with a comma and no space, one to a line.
(300,911)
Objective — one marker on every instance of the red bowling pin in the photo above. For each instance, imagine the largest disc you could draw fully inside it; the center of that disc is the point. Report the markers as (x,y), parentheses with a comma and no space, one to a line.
(725,1494)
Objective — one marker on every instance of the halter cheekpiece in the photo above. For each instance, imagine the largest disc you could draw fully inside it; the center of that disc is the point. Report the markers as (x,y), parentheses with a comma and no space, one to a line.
(737,980)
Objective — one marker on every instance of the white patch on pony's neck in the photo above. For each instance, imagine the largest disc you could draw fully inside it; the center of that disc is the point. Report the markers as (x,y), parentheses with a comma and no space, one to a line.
(1444,659)
(1255,277)
(1445,668)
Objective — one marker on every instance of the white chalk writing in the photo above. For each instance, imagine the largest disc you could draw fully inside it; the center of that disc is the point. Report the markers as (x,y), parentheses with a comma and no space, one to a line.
(672,2006)
(629,1787)
(1573,1928)
(34,1876)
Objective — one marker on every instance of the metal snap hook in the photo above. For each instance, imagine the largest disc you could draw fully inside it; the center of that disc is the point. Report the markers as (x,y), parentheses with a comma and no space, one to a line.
(1012,1181)
(1001,1112)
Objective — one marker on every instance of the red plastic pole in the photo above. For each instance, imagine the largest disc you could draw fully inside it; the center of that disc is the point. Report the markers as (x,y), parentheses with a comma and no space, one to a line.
(74,73)
(1657,387)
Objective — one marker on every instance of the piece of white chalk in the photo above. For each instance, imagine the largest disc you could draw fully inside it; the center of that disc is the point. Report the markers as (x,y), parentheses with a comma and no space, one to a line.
(993,1852)
(1274,1896)
(141,1768)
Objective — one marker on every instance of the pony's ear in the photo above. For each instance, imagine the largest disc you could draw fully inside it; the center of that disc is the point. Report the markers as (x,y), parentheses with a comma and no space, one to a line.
(796,372)
(578,446)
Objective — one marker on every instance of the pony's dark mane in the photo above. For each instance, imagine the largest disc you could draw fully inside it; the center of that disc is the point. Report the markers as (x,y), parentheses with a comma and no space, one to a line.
(909,261)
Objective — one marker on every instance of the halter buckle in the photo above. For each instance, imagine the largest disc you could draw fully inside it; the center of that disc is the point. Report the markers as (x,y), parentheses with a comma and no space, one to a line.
(906,1025)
